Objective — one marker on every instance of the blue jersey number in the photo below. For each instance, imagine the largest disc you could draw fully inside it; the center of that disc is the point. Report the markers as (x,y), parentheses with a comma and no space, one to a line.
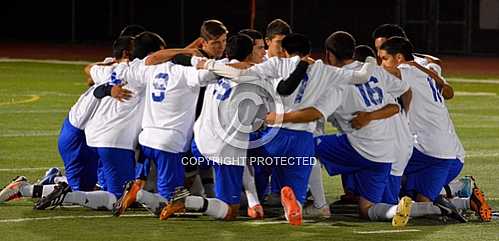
(301,91)
(370,95)
(159,87)
(222,92)
(437,96)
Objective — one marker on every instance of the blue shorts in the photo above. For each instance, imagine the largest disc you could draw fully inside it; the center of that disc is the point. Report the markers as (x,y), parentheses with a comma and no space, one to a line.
(170,171)
(118,168)
(228,179)
(455,169)
(294,156)
(390,194)
(262,171)
(80,160)
(339,157)
(426,175)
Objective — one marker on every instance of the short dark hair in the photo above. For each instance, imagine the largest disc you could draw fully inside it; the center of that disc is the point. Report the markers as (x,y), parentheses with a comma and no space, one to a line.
(254,34)
(361,52)
(398,45)
(341,44)
(132,30)
(121,44)
(212,29)
(388,31)
(296,43)
(239,47)
(277,27)
(146,43)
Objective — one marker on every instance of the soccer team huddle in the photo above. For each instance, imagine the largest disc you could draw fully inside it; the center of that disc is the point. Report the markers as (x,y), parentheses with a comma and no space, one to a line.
(225,123)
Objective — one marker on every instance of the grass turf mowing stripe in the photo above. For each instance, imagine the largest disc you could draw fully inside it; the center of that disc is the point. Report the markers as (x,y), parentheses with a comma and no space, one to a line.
(18,220)
(387,231)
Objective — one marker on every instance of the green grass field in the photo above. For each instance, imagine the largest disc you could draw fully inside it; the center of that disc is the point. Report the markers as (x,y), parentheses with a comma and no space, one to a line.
(35,98)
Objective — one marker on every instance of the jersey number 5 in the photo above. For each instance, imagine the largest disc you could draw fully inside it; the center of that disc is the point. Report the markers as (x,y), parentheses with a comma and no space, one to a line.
(223,89)
(371,95)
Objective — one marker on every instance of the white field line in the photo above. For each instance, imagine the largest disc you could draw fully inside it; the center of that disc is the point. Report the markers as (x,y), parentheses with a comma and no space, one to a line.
(45,61)
(479,81)
(388,231)
(33,111)
(30,134)
(464,93)
(18,220)
(26,169)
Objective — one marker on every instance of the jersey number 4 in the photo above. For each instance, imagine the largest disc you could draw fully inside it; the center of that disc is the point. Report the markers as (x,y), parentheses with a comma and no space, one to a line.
(370,95)
(159,87)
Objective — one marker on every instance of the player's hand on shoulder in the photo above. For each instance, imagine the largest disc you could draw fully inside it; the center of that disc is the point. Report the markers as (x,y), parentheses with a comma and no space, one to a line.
(120,93)
(309,60)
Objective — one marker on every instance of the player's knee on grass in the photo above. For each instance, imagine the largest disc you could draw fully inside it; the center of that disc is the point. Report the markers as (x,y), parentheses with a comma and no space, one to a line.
(364,206)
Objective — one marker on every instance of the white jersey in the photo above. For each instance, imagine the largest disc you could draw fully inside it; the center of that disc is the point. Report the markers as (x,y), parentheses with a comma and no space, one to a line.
(319,79)
(229,112)
(429,118)
(170,104)
(403,143)
(376,141)
(84,108)
(117,124)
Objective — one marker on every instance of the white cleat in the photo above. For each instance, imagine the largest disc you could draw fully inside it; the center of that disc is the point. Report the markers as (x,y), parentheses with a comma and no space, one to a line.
(311,211)
(13,190)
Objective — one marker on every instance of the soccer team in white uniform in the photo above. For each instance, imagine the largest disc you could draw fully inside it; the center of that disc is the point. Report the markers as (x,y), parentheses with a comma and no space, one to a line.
(223,124)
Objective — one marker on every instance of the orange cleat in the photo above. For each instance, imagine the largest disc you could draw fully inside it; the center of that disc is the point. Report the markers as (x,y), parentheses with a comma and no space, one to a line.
(255,212)
(292,208)
(480,205)
(175,205)
(128,198)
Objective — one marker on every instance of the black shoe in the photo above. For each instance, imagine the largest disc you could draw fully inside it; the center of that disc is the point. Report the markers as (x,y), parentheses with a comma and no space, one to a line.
(448,209)
(55,198)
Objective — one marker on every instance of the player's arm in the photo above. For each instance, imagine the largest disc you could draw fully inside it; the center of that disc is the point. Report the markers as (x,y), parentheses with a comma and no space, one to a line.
(164,55)
(88,69)
(363,118)
(300,116)
(446,90)
(345,76)
(289,85)
(430,58)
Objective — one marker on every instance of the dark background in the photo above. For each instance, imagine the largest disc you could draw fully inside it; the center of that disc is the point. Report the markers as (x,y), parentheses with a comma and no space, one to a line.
(434,26)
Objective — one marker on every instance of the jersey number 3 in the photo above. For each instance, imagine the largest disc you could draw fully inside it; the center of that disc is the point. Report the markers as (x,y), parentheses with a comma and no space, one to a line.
(159,87)
(370,95)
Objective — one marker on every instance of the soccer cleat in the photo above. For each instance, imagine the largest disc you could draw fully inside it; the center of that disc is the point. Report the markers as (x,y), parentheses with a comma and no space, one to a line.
(175,205)
(49,177)
(403,211)
(448,209)
(55,198)
(292,209)
(128,198)
(311,211)
(255,212)
(13,190)
(480,205)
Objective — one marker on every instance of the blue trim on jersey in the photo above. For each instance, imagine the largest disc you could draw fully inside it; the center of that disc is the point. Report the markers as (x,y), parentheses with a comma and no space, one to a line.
(80,160)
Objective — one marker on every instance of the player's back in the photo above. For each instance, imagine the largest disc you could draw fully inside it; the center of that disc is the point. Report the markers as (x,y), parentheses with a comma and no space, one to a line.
(117,124)
(376,140)
(429,118)
(170,106)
